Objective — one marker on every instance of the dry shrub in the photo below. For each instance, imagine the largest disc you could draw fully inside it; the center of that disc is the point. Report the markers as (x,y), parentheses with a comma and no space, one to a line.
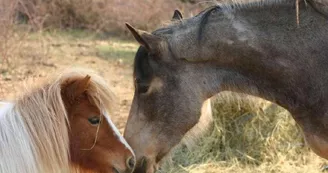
(248,135)
(99,15)
(7,38)
(7,33)
(14,37)
(14,47)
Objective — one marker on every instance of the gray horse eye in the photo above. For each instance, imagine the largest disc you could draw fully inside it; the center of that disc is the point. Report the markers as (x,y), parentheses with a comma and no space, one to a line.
(143,88)
(94,120)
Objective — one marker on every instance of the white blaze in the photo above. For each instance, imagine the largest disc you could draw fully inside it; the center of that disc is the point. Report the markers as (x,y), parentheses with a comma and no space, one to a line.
(117,133)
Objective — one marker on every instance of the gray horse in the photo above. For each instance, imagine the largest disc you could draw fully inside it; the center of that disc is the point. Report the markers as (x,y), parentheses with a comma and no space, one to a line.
(254,48)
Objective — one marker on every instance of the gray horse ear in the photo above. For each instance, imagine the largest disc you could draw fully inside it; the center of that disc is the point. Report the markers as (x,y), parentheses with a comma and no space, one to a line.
(145,39)
(177,15)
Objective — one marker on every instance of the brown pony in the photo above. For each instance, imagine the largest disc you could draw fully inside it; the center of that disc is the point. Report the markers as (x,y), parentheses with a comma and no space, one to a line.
(63,126)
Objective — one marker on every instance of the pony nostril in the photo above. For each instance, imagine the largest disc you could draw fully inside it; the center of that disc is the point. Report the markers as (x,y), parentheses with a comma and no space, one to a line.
(130,162)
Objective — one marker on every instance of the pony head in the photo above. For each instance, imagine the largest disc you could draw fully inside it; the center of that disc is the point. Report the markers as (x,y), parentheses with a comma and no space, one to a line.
(66,126)
(95,142)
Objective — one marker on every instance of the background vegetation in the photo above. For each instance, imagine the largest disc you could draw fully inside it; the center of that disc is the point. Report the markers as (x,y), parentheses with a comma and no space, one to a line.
(98,15)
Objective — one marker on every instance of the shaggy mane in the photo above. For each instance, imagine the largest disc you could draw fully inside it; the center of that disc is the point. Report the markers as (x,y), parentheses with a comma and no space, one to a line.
(34,128)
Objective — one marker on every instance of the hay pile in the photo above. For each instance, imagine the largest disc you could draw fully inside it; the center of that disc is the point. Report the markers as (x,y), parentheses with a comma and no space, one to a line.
(248,135)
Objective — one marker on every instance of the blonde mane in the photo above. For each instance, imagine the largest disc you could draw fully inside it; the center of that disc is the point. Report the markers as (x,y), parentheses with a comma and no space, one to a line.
(34,128)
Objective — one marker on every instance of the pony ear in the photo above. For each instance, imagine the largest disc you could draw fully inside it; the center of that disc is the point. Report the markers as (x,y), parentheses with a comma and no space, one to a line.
(77,88)
(177,15)
(145,39)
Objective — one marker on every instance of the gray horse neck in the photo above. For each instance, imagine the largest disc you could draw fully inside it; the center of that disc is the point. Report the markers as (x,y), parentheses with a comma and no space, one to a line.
(271,57)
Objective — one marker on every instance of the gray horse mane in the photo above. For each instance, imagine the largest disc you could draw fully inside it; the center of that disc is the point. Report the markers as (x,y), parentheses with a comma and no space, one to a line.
(246,4)
(238,6)
(235,6)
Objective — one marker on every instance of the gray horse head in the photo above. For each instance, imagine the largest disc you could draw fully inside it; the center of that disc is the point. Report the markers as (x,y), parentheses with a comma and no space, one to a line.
(254,48)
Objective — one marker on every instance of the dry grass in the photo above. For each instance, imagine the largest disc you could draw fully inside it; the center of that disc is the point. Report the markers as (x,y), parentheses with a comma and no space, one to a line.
(248,135)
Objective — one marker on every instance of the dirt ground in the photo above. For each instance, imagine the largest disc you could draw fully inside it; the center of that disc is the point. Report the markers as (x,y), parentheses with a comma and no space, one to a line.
(44,55)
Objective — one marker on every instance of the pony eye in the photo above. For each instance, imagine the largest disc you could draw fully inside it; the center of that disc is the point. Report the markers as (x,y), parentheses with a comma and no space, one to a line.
(94,120)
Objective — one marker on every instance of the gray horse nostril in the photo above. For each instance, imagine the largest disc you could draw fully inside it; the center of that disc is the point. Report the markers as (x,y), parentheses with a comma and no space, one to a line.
(141,166)
(115,170)
(130,162)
